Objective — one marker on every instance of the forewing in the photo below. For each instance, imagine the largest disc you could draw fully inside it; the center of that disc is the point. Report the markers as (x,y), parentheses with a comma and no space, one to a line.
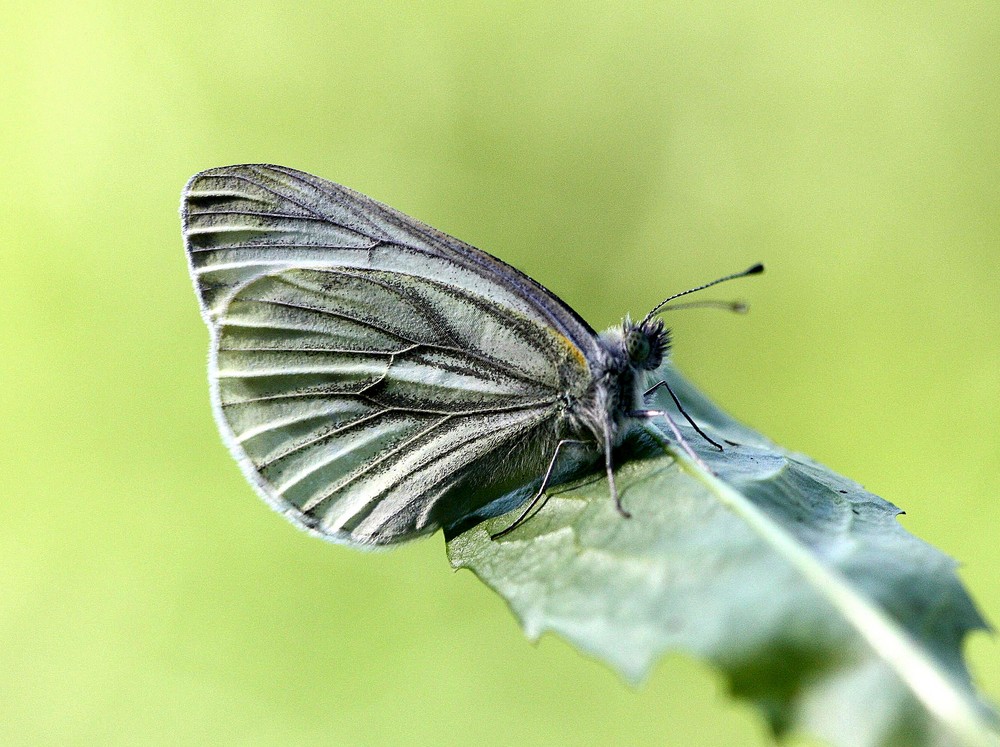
(363,365)
(243,221)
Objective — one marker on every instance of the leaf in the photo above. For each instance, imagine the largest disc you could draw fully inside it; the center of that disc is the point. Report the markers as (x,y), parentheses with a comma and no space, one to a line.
(801,587)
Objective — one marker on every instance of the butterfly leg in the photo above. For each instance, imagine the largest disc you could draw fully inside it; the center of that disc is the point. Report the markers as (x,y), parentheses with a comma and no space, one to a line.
(611,472)
(683,412)
(676,431)
(539,494)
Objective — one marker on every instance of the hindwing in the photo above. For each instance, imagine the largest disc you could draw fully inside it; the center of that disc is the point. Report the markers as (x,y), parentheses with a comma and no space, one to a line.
(375,378)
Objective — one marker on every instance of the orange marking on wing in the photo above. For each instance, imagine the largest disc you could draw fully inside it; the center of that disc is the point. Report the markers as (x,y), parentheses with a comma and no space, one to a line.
(575,352)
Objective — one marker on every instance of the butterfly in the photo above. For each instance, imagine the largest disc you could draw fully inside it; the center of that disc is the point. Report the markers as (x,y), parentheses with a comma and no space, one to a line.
(377,379)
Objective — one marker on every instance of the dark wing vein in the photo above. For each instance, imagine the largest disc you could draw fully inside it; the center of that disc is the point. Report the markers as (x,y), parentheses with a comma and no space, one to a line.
(290,245)
(278,195)
(386,456)
(446,478)
(259,214)
(453,348)
(335,194)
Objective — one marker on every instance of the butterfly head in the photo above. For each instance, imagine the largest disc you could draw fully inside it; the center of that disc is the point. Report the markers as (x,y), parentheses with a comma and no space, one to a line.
(645,344)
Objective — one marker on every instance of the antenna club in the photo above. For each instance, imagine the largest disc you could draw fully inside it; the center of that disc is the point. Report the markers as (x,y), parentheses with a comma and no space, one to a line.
(757,269)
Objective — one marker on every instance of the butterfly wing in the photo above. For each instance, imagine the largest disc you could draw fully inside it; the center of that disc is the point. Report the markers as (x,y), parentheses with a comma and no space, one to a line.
(375,378)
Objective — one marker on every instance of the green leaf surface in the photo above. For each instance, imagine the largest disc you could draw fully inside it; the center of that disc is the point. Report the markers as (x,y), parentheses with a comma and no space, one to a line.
(801,587)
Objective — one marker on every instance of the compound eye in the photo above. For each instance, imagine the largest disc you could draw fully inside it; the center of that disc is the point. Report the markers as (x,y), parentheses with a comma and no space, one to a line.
(637,346)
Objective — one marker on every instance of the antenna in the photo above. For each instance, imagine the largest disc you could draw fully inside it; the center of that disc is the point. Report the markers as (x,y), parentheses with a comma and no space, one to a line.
(737,307)
(755,270)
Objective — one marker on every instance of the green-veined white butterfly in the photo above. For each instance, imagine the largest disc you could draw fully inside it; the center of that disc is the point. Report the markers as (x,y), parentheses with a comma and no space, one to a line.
(377,379)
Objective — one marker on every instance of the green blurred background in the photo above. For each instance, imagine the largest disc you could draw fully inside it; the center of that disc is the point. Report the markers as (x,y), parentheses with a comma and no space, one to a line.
(616,155)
